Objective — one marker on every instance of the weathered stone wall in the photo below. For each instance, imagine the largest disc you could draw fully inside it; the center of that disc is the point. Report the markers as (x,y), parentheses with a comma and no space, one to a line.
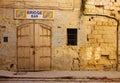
(99,53)
(107,7)
(7,49)
(101,34)
(96,48)
(42,4)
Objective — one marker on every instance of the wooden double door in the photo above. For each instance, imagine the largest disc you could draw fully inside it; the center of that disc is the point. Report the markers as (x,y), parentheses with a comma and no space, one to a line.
(34,47)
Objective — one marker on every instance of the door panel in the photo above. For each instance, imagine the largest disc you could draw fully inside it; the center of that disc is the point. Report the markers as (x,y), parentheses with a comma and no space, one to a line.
(25,52)
(42,44)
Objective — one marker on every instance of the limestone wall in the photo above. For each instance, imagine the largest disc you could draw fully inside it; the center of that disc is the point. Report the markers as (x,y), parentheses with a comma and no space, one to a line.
(101,33)
(7,49)
(96,44)
(108,7)
(99,52)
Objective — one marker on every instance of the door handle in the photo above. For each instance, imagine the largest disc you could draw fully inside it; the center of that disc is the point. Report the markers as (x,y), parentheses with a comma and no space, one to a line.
(33,52)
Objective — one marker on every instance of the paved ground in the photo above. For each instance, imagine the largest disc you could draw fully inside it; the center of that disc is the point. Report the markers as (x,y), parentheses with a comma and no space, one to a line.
(51,82)
(60,77)
(52,74)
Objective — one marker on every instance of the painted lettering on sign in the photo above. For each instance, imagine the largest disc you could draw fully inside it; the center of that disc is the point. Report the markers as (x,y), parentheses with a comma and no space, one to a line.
(33,14)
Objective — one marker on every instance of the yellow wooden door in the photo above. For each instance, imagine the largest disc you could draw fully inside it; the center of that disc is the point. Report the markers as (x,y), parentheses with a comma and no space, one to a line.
(42,47)
(26,48)
(34,47)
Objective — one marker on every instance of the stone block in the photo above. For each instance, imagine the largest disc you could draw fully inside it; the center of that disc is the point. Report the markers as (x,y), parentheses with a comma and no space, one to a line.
(77,3)
(76,64)
(112,0)
(110,22)
(112,56)
(94,36)
(88,31)
(105,52)
(90,36)
(97,3)
(105,3)
(110,4)
(55,4)
(98,0)
(94,11)
(90,6)
(113,61)
(119,67)
(92,40)
(106,7)
(117,4)
(98,28)
(114,23)
(109,40)
(101,62)
(1,60)
(100,40)
(109,36)
(65,5)
(112,8)
(98,36)
(107,12)
(104,23)
(106,32)
(90,2)
(99,67)
(107,67)
(98,23)
(94,32)
(107,45)
(109,28)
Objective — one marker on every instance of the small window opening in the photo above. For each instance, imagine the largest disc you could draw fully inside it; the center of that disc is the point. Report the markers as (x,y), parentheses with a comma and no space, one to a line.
(71,36)
(5,39)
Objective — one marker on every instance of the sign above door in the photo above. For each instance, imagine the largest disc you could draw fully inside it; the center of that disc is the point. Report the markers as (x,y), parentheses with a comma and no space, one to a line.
(33,14)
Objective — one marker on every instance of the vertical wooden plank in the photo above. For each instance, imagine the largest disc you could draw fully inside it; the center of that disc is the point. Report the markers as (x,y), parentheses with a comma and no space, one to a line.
(1,2)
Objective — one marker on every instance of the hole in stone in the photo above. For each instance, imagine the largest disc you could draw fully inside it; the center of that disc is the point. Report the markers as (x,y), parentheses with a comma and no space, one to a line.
(11,65)
(3,26)
(92,17)
(97,61)
(100,6)
(87,39)
(58,26)
(119,11)
(89,19)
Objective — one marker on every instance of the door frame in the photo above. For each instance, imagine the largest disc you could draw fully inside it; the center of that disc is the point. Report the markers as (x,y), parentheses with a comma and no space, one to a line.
(50,28)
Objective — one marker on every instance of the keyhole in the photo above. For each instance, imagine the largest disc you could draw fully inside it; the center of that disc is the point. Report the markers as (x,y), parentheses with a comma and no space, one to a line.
(33,52)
